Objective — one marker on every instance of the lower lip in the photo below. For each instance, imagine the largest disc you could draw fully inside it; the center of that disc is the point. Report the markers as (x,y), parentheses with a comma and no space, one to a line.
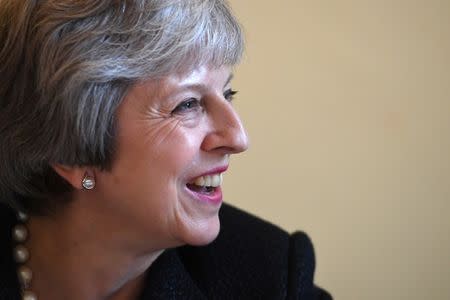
(214,198)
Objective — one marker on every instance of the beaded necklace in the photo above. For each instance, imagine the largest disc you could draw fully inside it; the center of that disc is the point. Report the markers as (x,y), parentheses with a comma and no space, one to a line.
(21,256)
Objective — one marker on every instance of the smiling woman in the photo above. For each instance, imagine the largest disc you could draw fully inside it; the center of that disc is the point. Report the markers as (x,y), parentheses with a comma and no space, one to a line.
(176,134)
(116,126)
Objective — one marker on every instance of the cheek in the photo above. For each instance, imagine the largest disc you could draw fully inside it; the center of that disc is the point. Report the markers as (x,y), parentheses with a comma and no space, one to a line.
(155,154)
(177,155)
(159,152)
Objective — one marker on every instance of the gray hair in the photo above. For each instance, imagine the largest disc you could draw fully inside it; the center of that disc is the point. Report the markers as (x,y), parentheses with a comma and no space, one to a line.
(66,66)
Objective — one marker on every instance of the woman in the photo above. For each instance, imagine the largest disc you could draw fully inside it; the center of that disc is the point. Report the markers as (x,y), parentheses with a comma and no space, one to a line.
(116,126)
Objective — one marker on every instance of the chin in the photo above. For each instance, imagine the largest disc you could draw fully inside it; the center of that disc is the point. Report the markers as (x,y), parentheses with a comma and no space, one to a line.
(203,234)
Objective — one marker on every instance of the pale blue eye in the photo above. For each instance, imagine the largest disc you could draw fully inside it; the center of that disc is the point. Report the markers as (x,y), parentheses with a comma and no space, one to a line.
(187,105)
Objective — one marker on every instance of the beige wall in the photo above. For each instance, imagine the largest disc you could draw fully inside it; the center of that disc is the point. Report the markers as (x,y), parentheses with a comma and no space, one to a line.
(347,104)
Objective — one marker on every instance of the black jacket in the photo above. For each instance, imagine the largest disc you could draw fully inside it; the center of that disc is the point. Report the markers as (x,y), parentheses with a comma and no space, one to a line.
(250,259)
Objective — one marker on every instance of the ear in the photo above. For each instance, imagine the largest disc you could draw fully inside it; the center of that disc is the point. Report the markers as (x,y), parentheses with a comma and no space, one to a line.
(73,175)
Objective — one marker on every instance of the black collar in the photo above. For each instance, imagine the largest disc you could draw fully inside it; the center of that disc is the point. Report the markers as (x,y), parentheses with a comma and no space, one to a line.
(168,278)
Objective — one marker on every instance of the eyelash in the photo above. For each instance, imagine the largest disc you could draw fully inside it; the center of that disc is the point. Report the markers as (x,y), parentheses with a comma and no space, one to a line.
(229,95)
(193,103)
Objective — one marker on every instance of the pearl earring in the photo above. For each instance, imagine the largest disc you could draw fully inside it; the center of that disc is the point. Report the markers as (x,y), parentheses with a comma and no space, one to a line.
(88,182)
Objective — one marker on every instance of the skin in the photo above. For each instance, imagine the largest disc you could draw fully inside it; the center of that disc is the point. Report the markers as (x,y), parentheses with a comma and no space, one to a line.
(170,131)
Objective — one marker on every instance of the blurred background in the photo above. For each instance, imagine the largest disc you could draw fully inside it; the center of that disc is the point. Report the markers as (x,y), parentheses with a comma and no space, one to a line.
(347,105)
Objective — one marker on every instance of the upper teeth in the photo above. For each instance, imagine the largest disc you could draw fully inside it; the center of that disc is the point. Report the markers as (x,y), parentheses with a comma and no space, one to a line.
(209,180)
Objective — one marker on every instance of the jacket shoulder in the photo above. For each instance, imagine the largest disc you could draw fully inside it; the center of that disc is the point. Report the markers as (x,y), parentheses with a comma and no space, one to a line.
(253,259)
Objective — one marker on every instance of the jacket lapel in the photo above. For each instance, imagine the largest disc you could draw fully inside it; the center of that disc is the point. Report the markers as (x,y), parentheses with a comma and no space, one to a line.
(168,279)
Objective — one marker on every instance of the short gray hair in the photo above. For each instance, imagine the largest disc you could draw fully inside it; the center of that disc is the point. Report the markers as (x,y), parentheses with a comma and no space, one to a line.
(66,66)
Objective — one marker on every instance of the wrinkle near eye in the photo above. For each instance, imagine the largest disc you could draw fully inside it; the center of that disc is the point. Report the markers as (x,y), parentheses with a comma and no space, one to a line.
(160,131)
(153,113)
(188,119)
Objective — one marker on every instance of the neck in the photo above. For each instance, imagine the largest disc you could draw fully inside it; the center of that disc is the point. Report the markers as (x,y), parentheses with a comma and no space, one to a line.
(77,256)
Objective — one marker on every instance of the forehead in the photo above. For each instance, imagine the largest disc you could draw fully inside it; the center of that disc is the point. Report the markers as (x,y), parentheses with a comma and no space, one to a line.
(158,90)
(201,79)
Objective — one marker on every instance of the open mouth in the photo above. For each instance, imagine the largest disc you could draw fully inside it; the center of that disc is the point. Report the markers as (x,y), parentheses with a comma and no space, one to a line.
(206,184)
(201,189)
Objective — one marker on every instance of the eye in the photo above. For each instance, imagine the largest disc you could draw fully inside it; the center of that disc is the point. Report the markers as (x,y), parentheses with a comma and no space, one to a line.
(187,105)
(229,95)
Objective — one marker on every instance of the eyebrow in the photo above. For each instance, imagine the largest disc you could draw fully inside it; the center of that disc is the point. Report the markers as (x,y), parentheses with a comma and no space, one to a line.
(229,79)
(202,86)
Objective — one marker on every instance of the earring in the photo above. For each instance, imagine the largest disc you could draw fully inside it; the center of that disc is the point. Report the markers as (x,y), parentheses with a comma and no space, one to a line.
(88,182)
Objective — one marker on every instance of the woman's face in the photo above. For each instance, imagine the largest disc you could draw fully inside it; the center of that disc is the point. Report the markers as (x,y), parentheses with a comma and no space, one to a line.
(175,137)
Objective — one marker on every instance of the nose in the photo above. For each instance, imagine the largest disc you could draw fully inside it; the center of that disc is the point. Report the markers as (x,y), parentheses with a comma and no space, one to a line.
(227,134)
